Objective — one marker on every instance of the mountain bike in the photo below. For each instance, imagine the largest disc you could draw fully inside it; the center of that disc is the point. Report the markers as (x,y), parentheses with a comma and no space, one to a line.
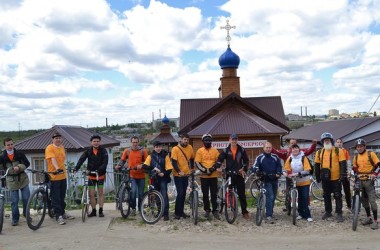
(86,193)
(261,200)
(2,201)
(227,197)
(291,200)
(123,196)
(39,200)
(152,205)
(193,197)
(316,189)
(281,190)
(356,198)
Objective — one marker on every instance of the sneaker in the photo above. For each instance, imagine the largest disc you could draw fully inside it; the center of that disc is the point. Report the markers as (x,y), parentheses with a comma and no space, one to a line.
(93,213)
(246,216)
(185,216)
(310,219)
(133,213)
(166,217)
(216,215)
(14,223)
(339,218)
(67,216)
(61,221)
(207,214)
(299,217)
(367,221)
(269,220)
(177,217)
(374,226)
(101,212)
(326,216)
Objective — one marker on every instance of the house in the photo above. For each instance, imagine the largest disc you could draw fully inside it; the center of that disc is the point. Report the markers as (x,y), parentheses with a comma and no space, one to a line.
(75,139)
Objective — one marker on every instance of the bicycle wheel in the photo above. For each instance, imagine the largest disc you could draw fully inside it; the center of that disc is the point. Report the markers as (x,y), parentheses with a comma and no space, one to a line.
(253,189)
(172,192)
(377,187)
(85,203)
(260,210)
(231,207)
(288,203)
(316,190)
(152,207)
(36,209)
(1,213)
(194,206)
(281,191)
(124,202)
(294,206)
(355,212)
(219,199)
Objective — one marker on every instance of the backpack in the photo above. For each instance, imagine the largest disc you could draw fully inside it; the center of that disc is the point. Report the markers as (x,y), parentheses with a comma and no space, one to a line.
(303,159)
(369,159)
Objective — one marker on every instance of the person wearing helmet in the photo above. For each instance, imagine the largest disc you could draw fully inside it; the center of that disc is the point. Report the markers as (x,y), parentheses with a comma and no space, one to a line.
(345,182)
(331,168)
(236,161)
(205,160)
(366,162)
(97,160)
(182,157)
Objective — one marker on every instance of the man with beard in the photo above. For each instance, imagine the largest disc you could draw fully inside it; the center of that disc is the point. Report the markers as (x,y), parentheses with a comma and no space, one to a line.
(182,157)
(205,160)
(331,168)
(236,161)
(367,163)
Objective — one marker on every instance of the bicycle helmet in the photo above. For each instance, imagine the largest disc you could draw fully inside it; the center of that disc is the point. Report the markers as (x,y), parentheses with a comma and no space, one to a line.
(206,136)
(95,136)
(327,135)
(360,142)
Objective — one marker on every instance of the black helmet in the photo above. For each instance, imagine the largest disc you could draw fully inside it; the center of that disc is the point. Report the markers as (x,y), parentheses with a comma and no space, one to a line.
(95,136)
(327,135)
(206,136)
(360,142)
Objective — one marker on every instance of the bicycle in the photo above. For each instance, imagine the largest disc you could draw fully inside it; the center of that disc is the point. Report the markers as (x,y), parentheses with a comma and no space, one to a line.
(39,200)
(316,189)
(123,195)
(86,193)
(193,197)
(291,200)
(227,197)
(2,201)
(152,204)
(281,190)
(261,200)
(356,198)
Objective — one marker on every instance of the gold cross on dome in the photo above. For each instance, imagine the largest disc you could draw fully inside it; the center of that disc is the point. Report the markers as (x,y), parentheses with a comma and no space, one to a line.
(228,27)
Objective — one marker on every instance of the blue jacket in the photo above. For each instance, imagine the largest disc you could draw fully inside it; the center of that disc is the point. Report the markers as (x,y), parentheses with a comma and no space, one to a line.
(268,164)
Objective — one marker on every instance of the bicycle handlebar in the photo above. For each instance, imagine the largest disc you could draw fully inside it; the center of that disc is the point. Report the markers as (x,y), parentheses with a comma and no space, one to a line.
(5,175)
(34,171)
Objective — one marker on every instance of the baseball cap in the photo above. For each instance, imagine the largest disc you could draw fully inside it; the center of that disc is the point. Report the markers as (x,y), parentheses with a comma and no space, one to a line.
(233,136)
(56,134)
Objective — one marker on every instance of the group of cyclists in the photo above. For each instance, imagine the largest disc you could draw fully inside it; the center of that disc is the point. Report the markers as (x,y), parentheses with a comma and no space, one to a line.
(330,167)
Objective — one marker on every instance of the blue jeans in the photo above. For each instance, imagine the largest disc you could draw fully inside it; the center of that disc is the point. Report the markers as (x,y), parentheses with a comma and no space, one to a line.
(271,187)
(181,185)
(303,201)
(25,193)
(162,186)
(137,188)
(58,193)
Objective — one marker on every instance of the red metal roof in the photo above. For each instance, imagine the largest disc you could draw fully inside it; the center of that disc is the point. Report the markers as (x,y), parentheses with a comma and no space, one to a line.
(74,138)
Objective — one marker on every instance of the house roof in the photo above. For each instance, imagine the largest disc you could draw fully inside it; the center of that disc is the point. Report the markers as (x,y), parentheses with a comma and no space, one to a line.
(165,139)
(74,138)
(242,122)
(196,111)
(344,128)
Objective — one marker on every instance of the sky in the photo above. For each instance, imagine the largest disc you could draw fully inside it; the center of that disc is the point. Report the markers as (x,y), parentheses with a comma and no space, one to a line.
(81,62)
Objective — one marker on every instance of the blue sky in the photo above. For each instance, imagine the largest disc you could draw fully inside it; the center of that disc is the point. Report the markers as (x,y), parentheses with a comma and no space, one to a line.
(80,62)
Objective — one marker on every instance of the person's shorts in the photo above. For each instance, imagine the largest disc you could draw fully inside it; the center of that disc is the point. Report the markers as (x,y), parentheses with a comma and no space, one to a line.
(93,183)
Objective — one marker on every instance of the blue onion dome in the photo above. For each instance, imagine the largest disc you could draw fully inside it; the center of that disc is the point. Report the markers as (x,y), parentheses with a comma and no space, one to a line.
(165,120)
(229,59)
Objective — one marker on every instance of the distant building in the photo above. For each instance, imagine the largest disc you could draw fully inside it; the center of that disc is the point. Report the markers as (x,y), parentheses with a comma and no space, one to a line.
(294,117)
(333,112)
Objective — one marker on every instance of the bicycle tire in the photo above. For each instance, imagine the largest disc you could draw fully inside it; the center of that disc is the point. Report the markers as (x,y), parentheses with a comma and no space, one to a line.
(377,187)
(36,209)
(253,189)
(294,206)
(152,207)
(288,203)
(231,209)
(85,203)
(49,206)
(1,213)
(124,202)
(281,190)
(194,206)
(260,210)
(220,200)
(316,190)
(355,212)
